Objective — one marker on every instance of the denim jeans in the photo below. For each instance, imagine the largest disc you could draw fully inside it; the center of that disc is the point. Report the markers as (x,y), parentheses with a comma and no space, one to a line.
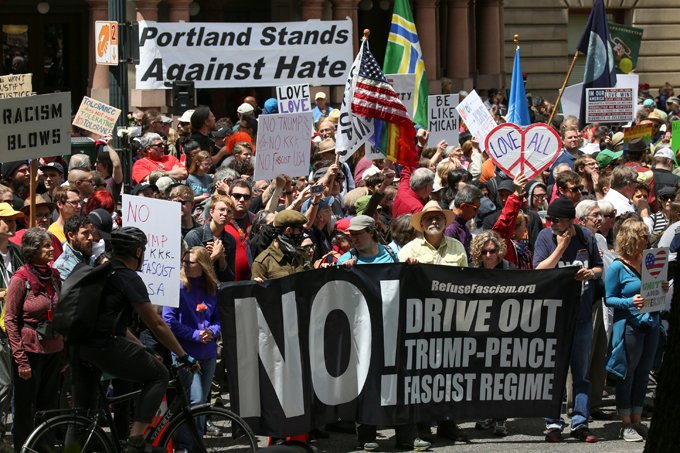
(640,351)
(197,386)
(579,363)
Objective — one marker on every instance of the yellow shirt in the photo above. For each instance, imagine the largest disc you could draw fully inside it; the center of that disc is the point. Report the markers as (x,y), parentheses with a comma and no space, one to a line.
(58,232)
(450,252)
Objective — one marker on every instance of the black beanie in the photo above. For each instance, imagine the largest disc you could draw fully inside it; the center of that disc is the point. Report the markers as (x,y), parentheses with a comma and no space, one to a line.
(9,168)
(562,208)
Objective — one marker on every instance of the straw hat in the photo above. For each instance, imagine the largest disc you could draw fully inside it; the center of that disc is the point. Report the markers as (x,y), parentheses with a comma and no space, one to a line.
(39,201)
(431,206)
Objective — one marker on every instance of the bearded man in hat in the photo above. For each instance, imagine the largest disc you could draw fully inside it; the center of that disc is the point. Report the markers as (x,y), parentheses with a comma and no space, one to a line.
(559,245)
(433,247)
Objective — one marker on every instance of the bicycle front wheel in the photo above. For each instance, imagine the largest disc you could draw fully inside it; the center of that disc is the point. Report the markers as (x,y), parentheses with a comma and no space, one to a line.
(68,433)
(217,429)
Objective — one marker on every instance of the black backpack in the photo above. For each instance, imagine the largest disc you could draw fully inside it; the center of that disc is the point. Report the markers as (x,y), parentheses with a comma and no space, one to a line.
(76,313)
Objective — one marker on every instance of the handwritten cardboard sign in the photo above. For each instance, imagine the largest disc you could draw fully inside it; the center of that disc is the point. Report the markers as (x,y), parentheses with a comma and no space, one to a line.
(526,151)
(654,273)
(35,126)
(16,86)
(405,87)
(476,117)
(443,119)
(283,145)
(160,220)
(95,116)
(293,98)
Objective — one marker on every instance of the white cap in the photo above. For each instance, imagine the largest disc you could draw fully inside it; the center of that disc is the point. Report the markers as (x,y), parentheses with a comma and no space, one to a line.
(186,116)
(664,152)
(320,95)
(245,108)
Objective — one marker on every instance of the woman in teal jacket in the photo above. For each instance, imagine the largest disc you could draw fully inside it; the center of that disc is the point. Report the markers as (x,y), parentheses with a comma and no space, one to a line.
(635,334)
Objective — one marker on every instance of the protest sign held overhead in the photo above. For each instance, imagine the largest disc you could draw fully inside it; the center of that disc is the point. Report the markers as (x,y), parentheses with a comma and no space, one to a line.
(610,105)
(230,55)
(95,116)
(675,137)
(283,145)
(526,151)
(293,98)
(443,119)
(476,117)
(654,274)
(160,220)
(35,126)
(643,131)
(404,86)
(16,86)
(381,348)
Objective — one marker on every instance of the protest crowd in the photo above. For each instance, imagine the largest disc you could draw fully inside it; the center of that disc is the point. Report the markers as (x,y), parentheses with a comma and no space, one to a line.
(598,204)
(610,193)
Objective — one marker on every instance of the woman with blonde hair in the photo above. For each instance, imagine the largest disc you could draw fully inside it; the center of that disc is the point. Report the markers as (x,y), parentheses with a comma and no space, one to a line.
(199,180)
(634,334)
(195,322)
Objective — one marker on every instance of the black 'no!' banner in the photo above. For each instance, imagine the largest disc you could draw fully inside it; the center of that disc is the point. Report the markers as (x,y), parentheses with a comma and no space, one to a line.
(392,344)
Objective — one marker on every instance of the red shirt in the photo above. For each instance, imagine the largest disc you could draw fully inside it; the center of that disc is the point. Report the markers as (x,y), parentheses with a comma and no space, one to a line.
(406,201)
(241,262)
(143,167)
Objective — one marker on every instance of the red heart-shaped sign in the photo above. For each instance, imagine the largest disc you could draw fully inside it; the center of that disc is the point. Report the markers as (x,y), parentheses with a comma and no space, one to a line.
(526,151)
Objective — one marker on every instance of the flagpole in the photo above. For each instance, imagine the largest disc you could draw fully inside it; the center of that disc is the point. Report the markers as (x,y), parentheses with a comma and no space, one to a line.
(564,85)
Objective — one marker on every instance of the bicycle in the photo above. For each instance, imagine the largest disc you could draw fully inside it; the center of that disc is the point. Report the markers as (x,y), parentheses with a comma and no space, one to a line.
(79,430)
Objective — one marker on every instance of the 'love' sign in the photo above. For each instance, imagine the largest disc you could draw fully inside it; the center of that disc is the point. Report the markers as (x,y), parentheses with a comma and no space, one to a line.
(526,151)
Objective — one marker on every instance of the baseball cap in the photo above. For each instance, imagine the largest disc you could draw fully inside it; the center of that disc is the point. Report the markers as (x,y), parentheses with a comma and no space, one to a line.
(320,95)
(220,133)
(166,119)
(186,116)
(361,222)
(102,221)
(607,156)
(245,108)
(665,152)
(54,166)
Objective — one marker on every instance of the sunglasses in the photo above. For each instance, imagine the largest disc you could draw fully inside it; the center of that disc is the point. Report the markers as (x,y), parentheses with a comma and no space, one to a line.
(309,248)
(666,198)
(489,252)
(575,189)
(552,219)
(610,216)
(240,196)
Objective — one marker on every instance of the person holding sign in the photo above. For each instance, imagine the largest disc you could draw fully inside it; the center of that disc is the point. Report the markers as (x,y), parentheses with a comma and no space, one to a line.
(560,245)
(634,335)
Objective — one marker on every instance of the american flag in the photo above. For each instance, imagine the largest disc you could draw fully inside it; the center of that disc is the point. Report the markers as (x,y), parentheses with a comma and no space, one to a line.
(374,97)
(655,262)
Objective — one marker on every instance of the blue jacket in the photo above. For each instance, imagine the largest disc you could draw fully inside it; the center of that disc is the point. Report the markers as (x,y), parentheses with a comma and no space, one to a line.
(621,284)
(187,323)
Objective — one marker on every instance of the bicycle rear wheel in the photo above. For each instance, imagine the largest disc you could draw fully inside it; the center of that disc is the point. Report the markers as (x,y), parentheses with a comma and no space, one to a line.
(220,430)
(68,433)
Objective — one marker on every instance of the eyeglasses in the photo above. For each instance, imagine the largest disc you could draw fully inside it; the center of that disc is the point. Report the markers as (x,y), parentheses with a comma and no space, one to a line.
(489,252)
(610,216)
(575,189)
(309,248)
(240,196)
(552,219)
(539,196)
(185,202)
(73,202)
(43,216)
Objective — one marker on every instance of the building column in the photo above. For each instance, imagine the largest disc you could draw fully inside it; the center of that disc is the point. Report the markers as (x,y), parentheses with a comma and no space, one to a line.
(349,8)
(490,44)
(312,9)
(427,24)
(98,74)
(179,10)
(147,9)
(459,68)
(147,99)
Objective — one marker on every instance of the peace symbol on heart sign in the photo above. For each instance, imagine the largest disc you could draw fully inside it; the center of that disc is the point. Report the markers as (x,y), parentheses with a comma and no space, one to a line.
(526,151)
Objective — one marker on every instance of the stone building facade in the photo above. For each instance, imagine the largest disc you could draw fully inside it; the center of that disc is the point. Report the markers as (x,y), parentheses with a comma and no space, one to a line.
(469,42)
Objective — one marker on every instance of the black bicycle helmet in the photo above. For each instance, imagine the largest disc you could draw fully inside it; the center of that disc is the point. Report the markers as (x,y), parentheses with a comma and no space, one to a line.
(127,240)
